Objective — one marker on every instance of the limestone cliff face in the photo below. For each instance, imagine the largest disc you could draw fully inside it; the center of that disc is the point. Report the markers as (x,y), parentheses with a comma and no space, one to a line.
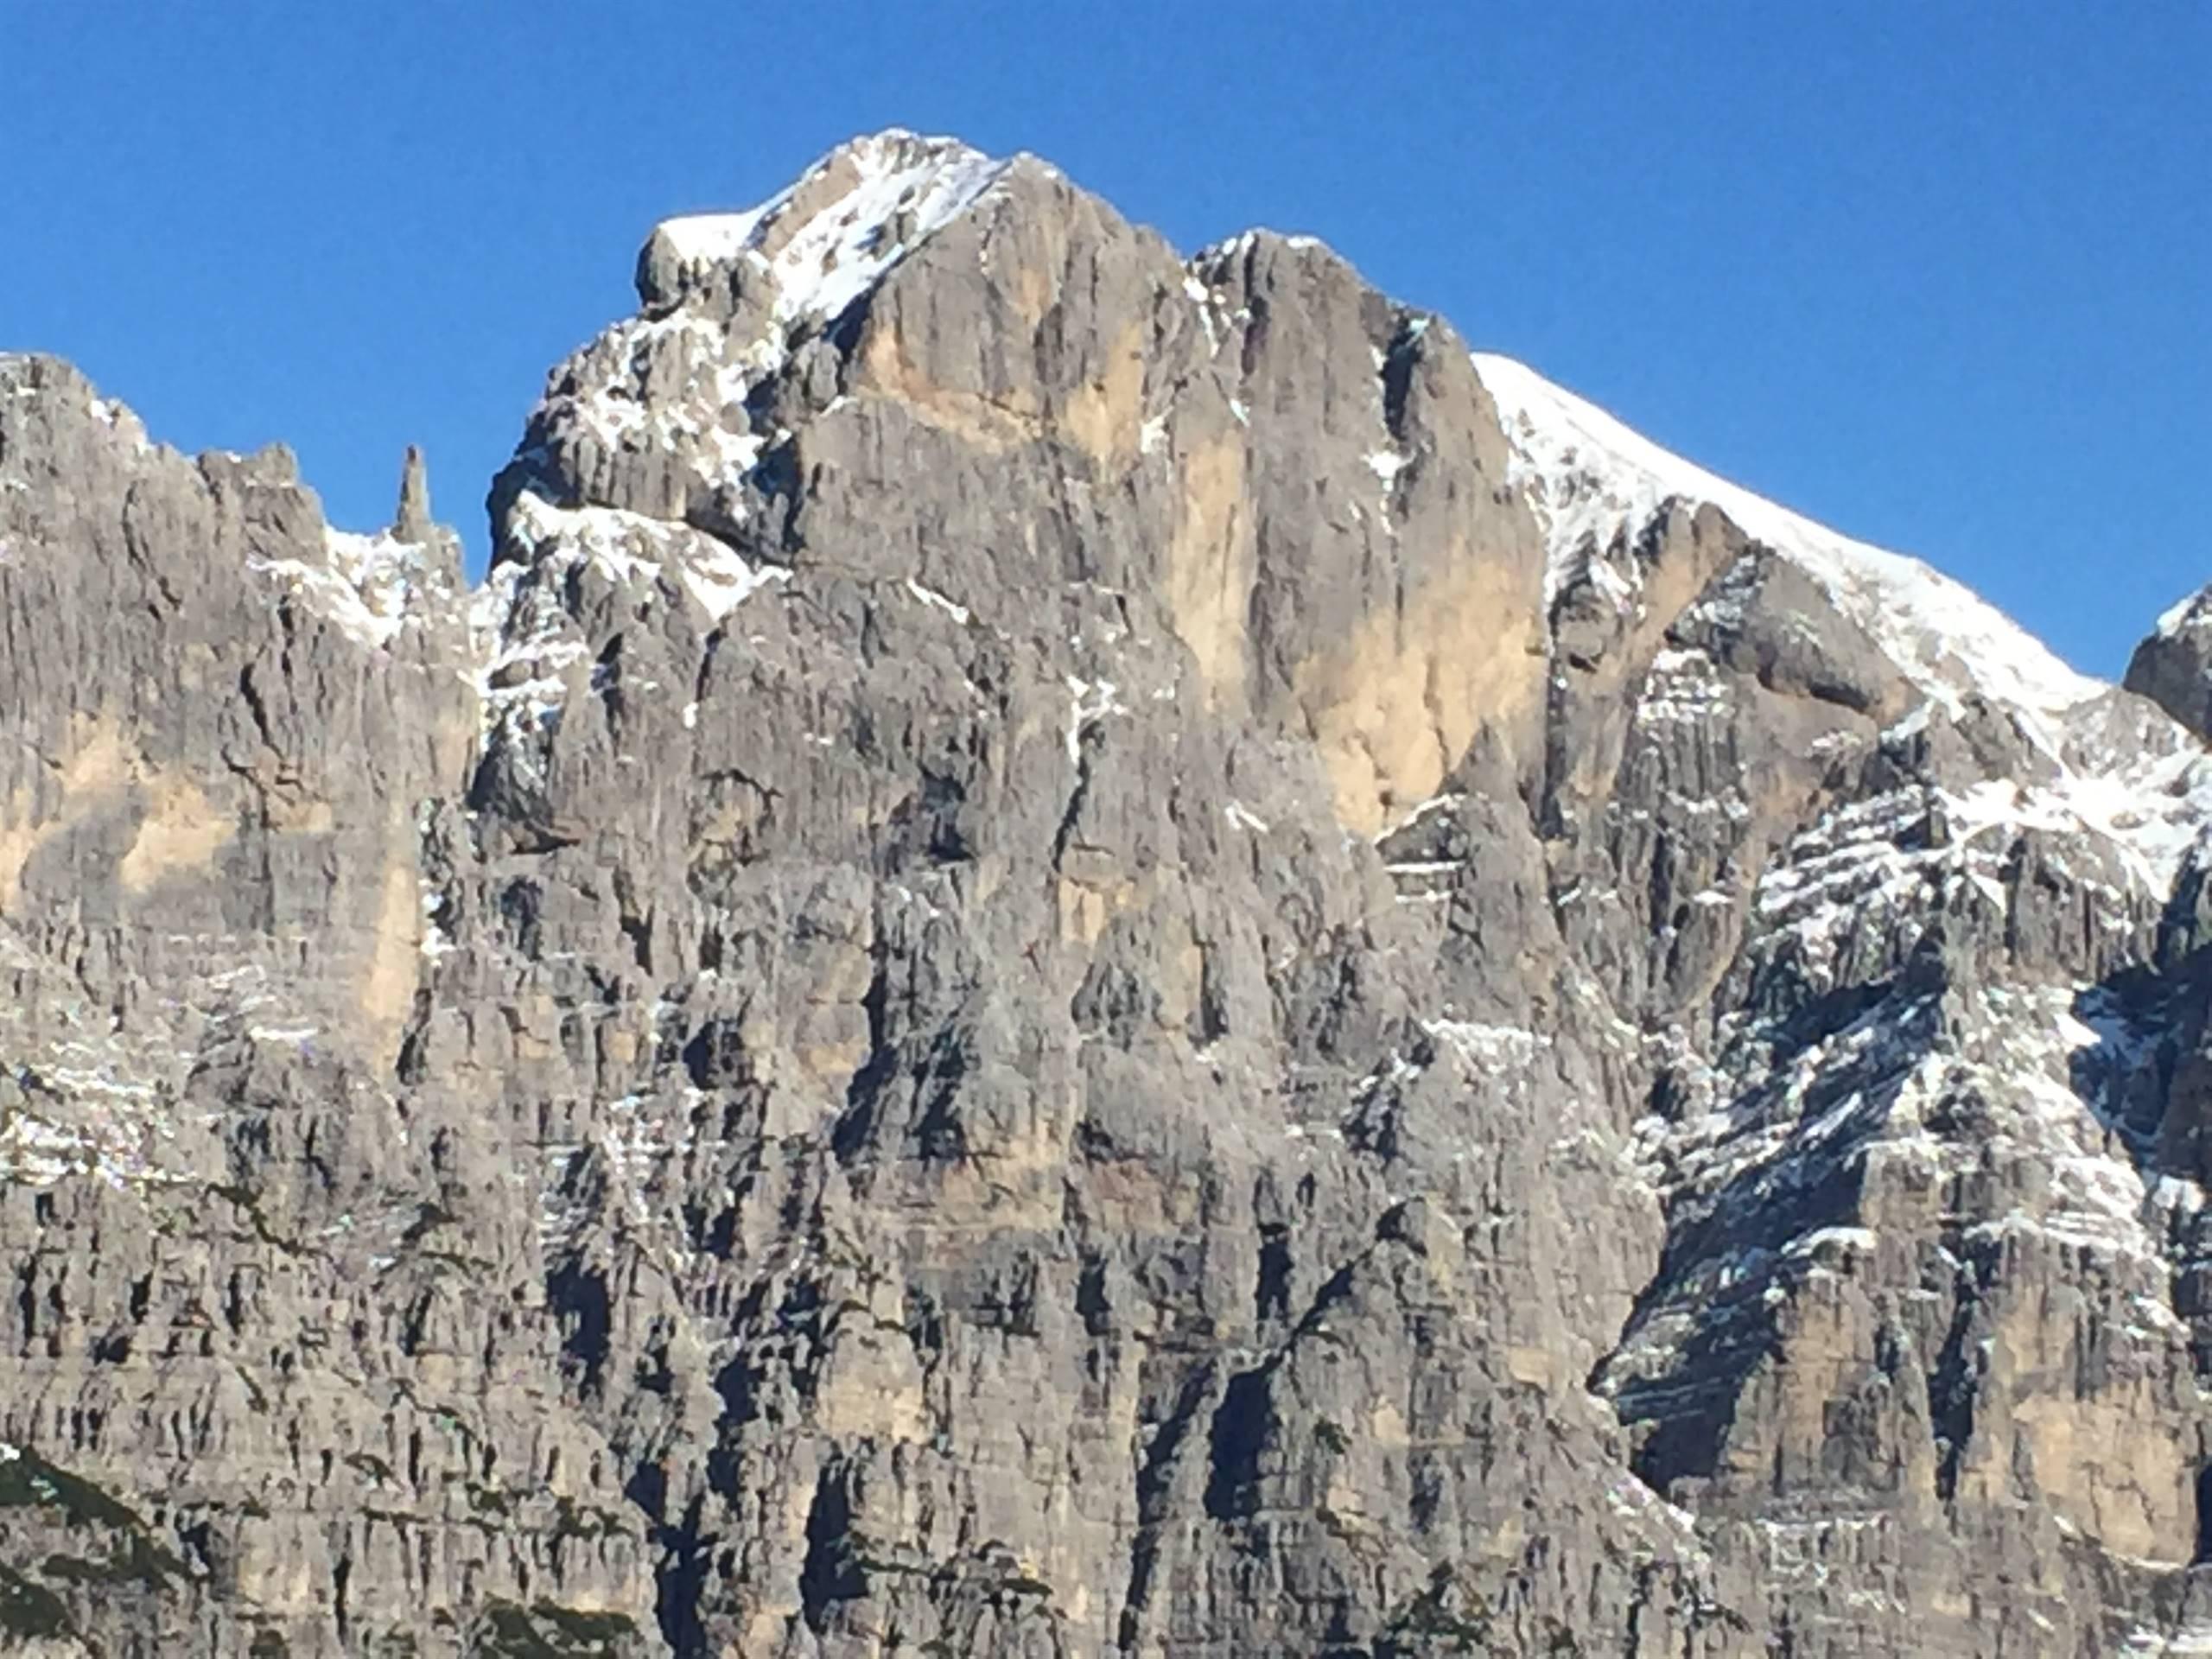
(1079,952)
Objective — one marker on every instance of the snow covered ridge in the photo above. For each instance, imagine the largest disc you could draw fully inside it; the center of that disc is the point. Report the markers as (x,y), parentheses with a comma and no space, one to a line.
(2185,615)
(1594,483)
(856,213)
(1591,477)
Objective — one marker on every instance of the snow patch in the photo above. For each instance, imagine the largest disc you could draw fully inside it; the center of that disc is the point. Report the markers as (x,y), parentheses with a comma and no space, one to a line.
(1089,703)
(720,580)
(1485,1045)
(1243,818)
(2183,614)
(367,585)
(932,597)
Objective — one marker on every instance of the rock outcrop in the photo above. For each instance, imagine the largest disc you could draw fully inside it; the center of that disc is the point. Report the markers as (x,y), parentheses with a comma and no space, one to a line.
(1079,952)
(2173,664)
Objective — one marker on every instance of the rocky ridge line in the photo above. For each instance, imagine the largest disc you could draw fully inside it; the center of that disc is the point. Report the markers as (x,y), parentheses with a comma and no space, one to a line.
(1079,952)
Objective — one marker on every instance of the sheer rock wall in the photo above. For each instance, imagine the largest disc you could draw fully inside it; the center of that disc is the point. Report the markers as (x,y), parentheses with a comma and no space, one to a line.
(1047,971)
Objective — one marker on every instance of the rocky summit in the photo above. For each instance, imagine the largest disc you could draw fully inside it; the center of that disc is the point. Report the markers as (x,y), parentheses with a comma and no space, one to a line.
(1079,953)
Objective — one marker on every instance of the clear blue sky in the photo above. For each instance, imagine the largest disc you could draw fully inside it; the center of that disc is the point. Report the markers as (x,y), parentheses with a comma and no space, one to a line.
(1938,273)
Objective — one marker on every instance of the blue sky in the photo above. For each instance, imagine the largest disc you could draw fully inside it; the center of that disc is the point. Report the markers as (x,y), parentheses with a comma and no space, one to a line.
(1940,274)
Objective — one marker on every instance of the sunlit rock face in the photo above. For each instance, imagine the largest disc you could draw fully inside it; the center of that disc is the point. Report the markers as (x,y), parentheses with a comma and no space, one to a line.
(1079,952)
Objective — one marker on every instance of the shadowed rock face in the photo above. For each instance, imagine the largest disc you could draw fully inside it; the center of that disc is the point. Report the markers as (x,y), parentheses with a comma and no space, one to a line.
(1079,952)
(2173,664)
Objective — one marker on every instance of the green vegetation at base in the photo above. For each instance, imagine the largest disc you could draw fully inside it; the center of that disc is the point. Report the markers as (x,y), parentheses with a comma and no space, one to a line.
(29,1481)
(545,1631)
(29,1610)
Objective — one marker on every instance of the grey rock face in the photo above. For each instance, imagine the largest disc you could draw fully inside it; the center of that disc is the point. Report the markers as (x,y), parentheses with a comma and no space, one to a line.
(2171,665)
(413,523)
(1079,952)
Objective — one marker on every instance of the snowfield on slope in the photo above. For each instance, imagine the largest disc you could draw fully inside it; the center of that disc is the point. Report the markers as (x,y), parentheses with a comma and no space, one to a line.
(1591,477)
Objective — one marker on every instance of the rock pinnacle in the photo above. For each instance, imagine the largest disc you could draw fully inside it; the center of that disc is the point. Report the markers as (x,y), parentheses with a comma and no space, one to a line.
(412,523)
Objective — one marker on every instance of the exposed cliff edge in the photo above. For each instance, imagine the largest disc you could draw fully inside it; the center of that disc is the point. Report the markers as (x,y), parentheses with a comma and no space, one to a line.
(1079,952)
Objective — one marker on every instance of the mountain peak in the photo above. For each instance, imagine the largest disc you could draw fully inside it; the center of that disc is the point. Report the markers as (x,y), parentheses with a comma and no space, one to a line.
(1120,906)
(823,241)
(2172,666)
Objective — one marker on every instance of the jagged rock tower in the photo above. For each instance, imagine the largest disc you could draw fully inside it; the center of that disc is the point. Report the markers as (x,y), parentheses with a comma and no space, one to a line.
(1079,953)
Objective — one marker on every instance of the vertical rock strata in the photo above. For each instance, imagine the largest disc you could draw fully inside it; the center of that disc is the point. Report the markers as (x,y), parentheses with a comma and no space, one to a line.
(1078,953)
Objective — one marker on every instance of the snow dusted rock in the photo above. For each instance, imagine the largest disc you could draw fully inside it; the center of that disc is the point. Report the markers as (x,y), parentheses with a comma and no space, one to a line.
(2173,664)
(1079,952)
